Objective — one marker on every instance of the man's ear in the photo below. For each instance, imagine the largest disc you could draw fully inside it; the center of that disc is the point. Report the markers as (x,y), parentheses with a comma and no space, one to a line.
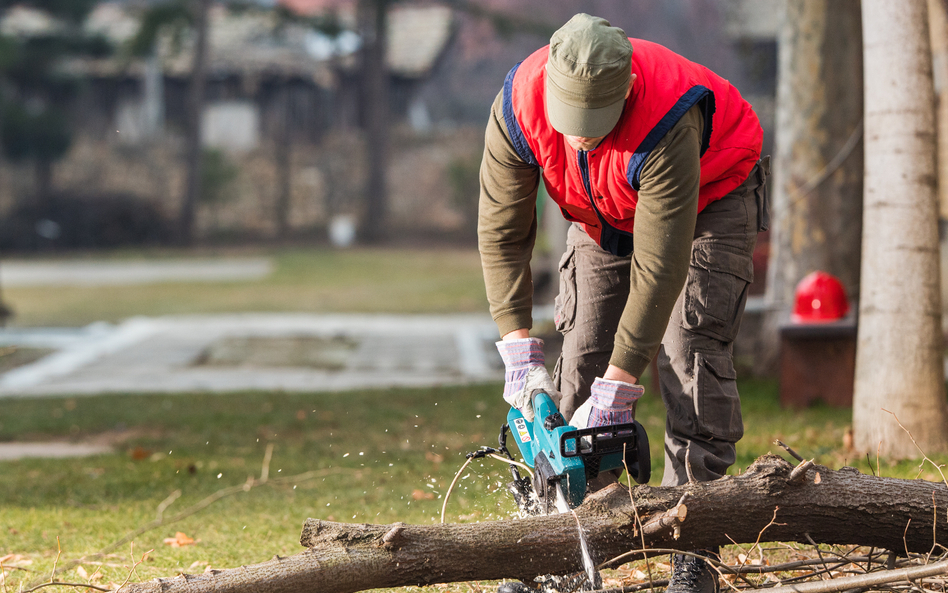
(628,91)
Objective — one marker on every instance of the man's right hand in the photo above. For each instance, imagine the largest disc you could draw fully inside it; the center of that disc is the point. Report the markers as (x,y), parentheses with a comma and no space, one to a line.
(525,374)
(610,402)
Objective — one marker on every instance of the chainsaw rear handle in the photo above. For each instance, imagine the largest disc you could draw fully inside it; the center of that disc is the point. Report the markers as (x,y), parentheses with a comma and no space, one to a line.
(616,446)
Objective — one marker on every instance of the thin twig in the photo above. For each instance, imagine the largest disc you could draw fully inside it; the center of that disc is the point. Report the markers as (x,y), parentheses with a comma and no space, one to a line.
(80,585)
(163,506)
(904,535)
(818,551)
(638,520)
(866,580)
(934,527)
(786,448)
(760,534)
(924,456)
(59,553)
(739,574)
(134,565)
(691,476)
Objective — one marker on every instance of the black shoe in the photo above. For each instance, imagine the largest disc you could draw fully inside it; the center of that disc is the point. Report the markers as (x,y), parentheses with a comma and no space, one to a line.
(693,575)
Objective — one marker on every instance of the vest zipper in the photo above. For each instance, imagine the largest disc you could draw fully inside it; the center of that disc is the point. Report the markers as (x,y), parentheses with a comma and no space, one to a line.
(609,236)
(583,158)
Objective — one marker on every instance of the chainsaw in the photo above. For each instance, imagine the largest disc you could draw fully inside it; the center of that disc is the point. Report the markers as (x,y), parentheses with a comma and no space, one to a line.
(566,459)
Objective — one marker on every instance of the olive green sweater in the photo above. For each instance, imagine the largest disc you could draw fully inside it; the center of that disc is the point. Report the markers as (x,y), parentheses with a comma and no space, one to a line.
(664,228)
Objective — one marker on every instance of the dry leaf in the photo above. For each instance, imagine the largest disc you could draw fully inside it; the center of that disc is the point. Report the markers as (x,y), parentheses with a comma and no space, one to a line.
(434,457)
(140,453)
(301,414)
(422,495)
(82,572)
(15,560)
(179,539)
(818,478)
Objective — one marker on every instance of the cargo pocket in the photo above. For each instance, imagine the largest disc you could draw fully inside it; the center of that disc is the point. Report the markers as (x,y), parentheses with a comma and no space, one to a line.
(716,290)
(718,405)
(564,306)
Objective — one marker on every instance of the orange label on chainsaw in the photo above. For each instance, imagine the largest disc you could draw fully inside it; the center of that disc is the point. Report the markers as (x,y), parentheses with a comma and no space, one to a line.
(522,433)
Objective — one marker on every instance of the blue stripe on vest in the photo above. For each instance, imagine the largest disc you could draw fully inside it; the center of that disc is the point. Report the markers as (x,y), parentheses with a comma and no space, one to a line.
(694,95)
(513,126)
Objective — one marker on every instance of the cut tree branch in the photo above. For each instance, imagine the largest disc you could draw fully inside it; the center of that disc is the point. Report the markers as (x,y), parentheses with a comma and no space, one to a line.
(842,507)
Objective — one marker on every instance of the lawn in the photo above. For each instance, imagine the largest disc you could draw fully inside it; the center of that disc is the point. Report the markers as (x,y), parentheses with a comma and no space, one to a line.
(446,280)
(376,457)
(193,463)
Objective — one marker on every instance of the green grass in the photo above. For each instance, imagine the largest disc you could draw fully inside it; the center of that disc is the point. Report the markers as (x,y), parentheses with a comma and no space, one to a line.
(313,280)
(378,457)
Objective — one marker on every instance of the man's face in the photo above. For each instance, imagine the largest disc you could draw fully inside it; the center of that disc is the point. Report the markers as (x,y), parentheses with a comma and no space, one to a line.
(583,143)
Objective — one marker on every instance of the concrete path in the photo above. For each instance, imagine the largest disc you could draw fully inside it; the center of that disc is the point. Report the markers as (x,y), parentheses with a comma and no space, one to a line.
(147,355)
(115,272)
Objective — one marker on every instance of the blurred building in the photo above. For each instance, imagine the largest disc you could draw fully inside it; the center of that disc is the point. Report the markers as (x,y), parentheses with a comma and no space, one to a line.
(284,101)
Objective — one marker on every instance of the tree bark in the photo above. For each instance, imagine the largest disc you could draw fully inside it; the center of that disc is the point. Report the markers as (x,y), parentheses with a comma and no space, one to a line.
(818,154)
(769,502)
(938,32)
(193,149)
(899,358)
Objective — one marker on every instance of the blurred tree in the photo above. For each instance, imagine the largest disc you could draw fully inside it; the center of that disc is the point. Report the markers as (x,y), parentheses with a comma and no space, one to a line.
(373,28)
(35,86)
(817,182)
(194,154)
(218,175)
(900,355)
(177,17)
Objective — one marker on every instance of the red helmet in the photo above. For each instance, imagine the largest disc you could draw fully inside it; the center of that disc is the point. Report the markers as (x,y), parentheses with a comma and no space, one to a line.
(820,297)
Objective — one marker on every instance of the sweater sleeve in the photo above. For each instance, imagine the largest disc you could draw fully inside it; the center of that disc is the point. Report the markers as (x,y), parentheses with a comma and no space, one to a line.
(664,227)
(507,225)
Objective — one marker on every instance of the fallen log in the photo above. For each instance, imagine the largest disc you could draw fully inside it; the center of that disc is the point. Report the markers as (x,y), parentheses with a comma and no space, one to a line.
(769,502)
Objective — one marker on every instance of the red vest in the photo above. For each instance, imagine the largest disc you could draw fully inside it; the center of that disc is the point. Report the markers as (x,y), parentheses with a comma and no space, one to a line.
(599,188)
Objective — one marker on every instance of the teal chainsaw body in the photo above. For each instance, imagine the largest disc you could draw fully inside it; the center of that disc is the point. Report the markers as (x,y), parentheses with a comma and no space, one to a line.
(568,457)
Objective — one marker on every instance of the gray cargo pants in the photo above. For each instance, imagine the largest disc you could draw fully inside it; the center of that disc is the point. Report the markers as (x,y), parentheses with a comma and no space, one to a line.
(696,370)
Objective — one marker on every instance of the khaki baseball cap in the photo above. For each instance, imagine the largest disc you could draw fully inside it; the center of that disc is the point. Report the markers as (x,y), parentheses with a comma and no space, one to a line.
(587,76)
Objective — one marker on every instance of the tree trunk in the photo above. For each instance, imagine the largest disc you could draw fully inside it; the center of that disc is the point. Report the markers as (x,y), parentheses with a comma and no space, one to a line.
(283,155)
(773,501)
(817,188)
(375,111)
(899,357)
(938,32)
(193,149)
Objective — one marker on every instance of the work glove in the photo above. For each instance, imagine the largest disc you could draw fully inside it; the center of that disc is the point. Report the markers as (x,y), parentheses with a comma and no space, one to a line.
(610,402)
(525,374)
